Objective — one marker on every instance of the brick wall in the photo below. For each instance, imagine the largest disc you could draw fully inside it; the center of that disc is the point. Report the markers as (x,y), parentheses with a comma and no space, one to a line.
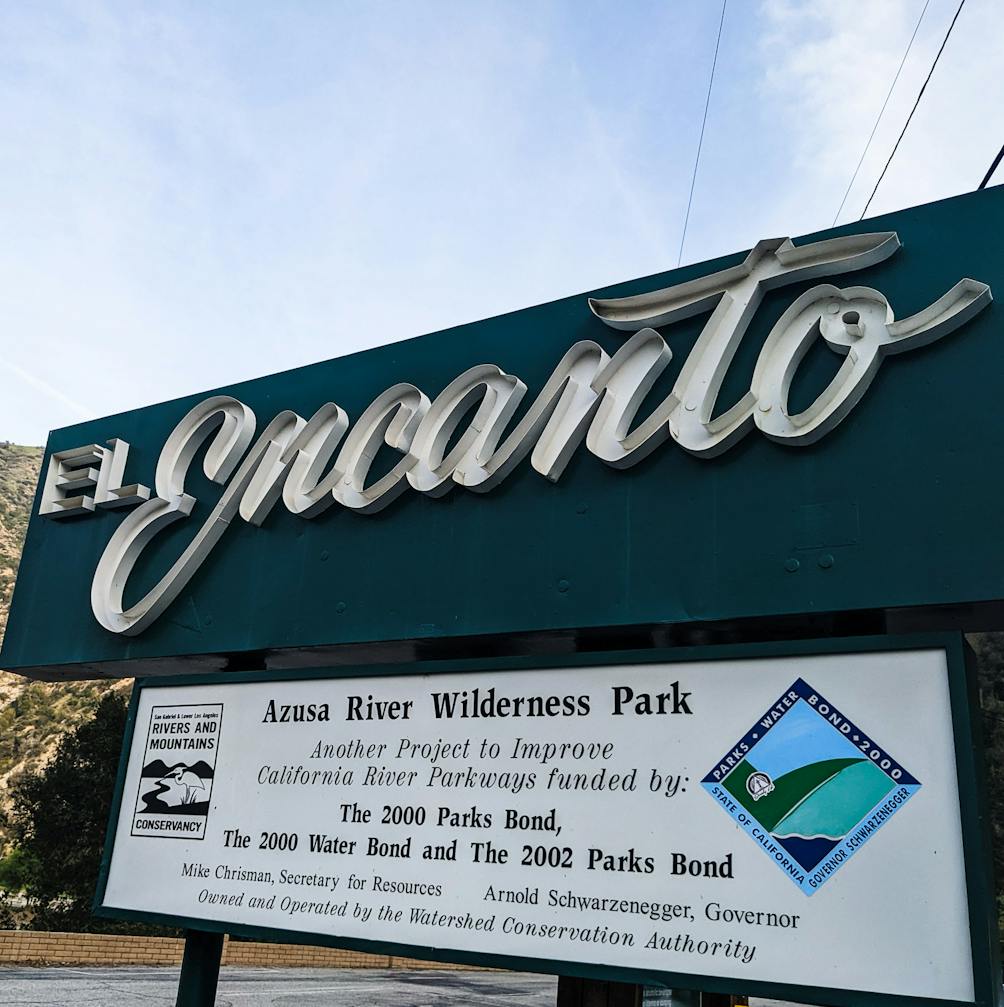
(38,947)
(304,956)
(34,947)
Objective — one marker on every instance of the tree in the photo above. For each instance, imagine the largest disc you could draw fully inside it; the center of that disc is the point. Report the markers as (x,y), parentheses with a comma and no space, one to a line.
(59,817)
(989,648)
(14,869)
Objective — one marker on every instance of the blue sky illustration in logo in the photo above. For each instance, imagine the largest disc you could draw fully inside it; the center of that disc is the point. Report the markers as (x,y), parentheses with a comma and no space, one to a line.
(808,786)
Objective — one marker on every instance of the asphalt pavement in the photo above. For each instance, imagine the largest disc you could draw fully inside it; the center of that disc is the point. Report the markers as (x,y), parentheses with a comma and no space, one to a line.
(55,986)
(239,987)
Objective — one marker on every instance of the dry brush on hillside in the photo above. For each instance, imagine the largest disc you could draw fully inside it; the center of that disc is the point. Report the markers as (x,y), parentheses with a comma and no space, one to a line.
(33,715)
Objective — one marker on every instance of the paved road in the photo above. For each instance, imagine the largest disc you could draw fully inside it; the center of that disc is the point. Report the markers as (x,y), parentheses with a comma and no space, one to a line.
(157,987)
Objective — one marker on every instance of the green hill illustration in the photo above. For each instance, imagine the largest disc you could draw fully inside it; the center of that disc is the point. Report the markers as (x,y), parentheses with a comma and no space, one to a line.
(825,798)
(790,790)
(835,807)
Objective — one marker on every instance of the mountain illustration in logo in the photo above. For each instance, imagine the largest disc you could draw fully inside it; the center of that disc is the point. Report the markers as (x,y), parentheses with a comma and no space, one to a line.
(808,786)
(176,790)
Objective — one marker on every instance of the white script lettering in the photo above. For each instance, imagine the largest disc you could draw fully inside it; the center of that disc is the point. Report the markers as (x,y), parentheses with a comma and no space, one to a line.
(590,397)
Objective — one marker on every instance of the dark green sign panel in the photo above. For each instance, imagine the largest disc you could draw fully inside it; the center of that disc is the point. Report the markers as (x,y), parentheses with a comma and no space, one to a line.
(809,427)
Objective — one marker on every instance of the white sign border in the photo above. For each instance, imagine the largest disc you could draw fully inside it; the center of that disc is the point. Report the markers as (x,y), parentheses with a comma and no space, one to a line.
(964,703)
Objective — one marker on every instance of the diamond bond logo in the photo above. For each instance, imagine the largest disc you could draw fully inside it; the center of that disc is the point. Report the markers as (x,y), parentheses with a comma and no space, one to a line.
(808,786)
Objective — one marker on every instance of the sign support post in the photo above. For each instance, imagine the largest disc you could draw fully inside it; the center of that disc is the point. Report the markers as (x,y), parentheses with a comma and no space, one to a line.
(200,969)
(721,1000)
(575,992)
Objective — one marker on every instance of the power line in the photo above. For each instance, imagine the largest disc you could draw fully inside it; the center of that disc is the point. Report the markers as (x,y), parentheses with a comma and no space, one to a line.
(871,136)
(700,141)
(920,95)
(993,168)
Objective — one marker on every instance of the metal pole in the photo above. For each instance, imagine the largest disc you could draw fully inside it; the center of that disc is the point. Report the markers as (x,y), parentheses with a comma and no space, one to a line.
(597,993)
(574,992)
(200,969)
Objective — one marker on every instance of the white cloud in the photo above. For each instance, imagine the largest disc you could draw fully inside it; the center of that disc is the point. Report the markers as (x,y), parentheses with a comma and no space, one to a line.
(192,196)
(827,68)
(71,409)
(195,200)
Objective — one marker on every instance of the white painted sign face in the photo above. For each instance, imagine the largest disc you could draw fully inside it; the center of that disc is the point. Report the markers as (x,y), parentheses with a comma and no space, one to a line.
(787,819)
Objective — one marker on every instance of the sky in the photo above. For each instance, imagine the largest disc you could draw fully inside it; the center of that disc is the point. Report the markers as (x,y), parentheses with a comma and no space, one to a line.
(804,738)
(194,194)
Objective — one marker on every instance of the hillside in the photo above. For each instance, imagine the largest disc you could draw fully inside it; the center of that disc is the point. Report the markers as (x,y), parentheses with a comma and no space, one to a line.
(33,715)
(18,476)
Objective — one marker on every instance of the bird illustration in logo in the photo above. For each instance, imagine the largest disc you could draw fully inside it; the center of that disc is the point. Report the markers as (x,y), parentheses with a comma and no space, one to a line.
(182,786)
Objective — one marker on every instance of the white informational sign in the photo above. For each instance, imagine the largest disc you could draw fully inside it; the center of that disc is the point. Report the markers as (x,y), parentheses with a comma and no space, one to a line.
(787,820)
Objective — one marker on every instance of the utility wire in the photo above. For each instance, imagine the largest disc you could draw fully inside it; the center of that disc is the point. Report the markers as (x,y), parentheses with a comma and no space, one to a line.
(993,168)
(871,136)
(920,95)
(700,141)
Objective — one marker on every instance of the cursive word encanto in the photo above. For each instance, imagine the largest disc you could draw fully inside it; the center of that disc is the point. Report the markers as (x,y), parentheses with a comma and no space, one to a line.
(591,397)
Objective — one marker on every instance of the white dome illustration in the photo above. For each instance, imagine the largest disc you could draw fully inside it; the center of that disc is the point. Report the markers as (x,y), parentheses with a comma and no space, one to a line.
(759,785)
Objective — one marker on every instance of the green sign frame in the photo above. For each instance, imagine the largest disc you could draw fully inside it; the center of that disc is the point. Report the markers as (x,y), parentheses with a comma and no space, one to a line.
(859,523)
(972,797)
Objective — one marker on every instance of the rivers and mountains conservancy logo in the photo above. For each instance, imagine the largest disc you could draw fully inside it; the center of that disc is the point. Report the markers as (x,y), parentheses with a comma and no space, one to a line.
(179,764)
(808,786)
